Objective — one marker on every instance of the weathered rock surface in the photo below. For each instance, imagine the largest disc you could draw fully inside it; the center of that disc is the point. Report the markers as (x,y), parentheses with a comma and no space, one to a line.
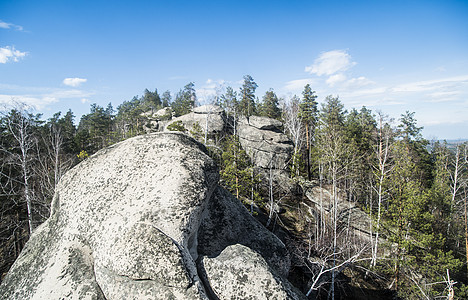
(208,109)
(210,115)
(131,221)
(240,271)
(264,142)
(321,201)
(224,209)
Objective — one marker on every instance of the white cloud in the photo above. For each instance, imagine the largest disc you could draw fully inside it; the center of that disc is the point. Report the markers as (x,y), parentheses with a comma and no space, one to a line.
(430,85)
(10,54)
(359,82)
(446,96)
(84,100)
(335,79)
(298,84)
(41,100)
(209,90)
(6,25)
(331,62)
(37,102)
(74,82)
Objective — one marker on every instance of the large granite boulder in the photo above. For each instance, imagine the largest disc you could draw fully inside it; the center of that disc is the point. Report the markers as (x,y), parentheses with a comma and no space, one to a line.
(208,117)
(240,271)
(265,143)
(138,220)
(319,202)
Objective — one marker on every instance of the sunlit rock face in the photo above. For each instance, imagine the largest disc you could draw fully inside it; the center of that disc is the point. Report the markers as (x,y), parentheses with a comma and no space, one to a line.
(210,118)
(265,143)
(146,219)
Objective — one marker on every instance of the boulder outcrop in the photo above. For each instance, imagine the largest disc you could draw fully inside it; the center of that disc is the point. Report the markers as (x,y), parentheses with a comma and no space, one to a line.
(146,219)
(211,117)
(320,202)
(265,143)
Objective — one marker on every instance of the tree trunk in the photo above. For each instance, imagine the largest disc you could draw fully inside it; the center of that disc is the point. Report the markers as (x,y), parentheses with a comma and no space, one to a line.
(466,229)
(308,153)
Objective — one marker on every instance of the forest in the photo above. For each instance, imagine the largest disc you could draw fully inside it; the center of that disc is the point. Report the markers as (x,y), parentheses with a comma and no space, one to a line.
(415,191)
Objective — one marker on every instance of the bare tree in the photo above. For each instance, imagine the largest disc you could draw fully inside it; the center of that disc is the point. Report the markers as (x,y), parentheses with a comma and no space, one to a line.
(20,126)
(455,169)
(294,126)
(383,167)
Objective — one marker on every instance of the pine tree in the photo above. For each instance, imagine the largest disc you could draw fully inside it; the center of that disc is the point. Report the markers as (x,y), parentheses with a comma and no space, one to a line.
(151,100)
(229,102)
(237,172)
(166,99)
(247,105)
(185,100)
(270,105)
(309,115)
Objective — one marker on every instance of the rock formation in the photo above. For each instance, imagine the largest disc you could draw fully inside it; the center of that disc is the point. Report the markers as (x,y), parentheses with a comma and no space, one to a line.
(269,149)
(320,202)
(265,143)
(146,219)
(206,116)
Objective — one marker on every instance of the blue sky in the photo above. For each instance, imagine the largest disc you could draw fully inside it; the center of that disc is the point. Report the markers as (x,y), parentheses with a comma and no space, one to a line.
(391,56)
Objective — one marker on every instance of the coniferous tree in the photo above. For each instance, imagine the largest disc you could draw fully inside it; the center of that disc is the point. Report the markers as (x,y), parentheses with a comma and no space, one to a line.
(270,105)
(166,99)
(151,100)
(309,114)
(185,100)
(237,171)
(247,105)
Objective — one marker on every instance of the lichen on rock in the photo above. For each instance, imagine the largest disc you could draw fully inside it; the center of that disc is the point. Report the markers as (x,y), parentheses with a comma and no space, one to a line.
(133,220)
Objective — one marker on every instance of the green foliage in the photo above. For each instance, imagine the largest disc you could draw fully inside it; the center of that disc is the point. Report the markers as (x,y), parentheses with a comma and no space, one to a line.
(166,99)
(408,128)
(177,126)
(333,114)
(270,106)
(185,100)
(297,165)
(229,102)
(308,107)
(237,173)
(95,129)
(197,132)
(247,105)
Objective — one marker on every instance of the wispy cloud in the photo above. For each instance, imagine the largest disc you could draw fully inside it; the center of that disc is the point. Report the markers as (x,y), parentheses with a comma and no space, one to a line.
(430,85)
(331,62)
(298,84)
(37,103)
(359,82)
(6,25)
(336,79)
(41,100)
(422,94)
(74,82)
(10,54)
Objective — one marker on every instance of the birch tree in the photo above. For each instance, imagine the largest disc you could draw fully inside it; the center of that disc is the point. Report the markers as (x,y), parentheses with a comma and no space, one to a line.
(381,170)
(293,123)
(20,125)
